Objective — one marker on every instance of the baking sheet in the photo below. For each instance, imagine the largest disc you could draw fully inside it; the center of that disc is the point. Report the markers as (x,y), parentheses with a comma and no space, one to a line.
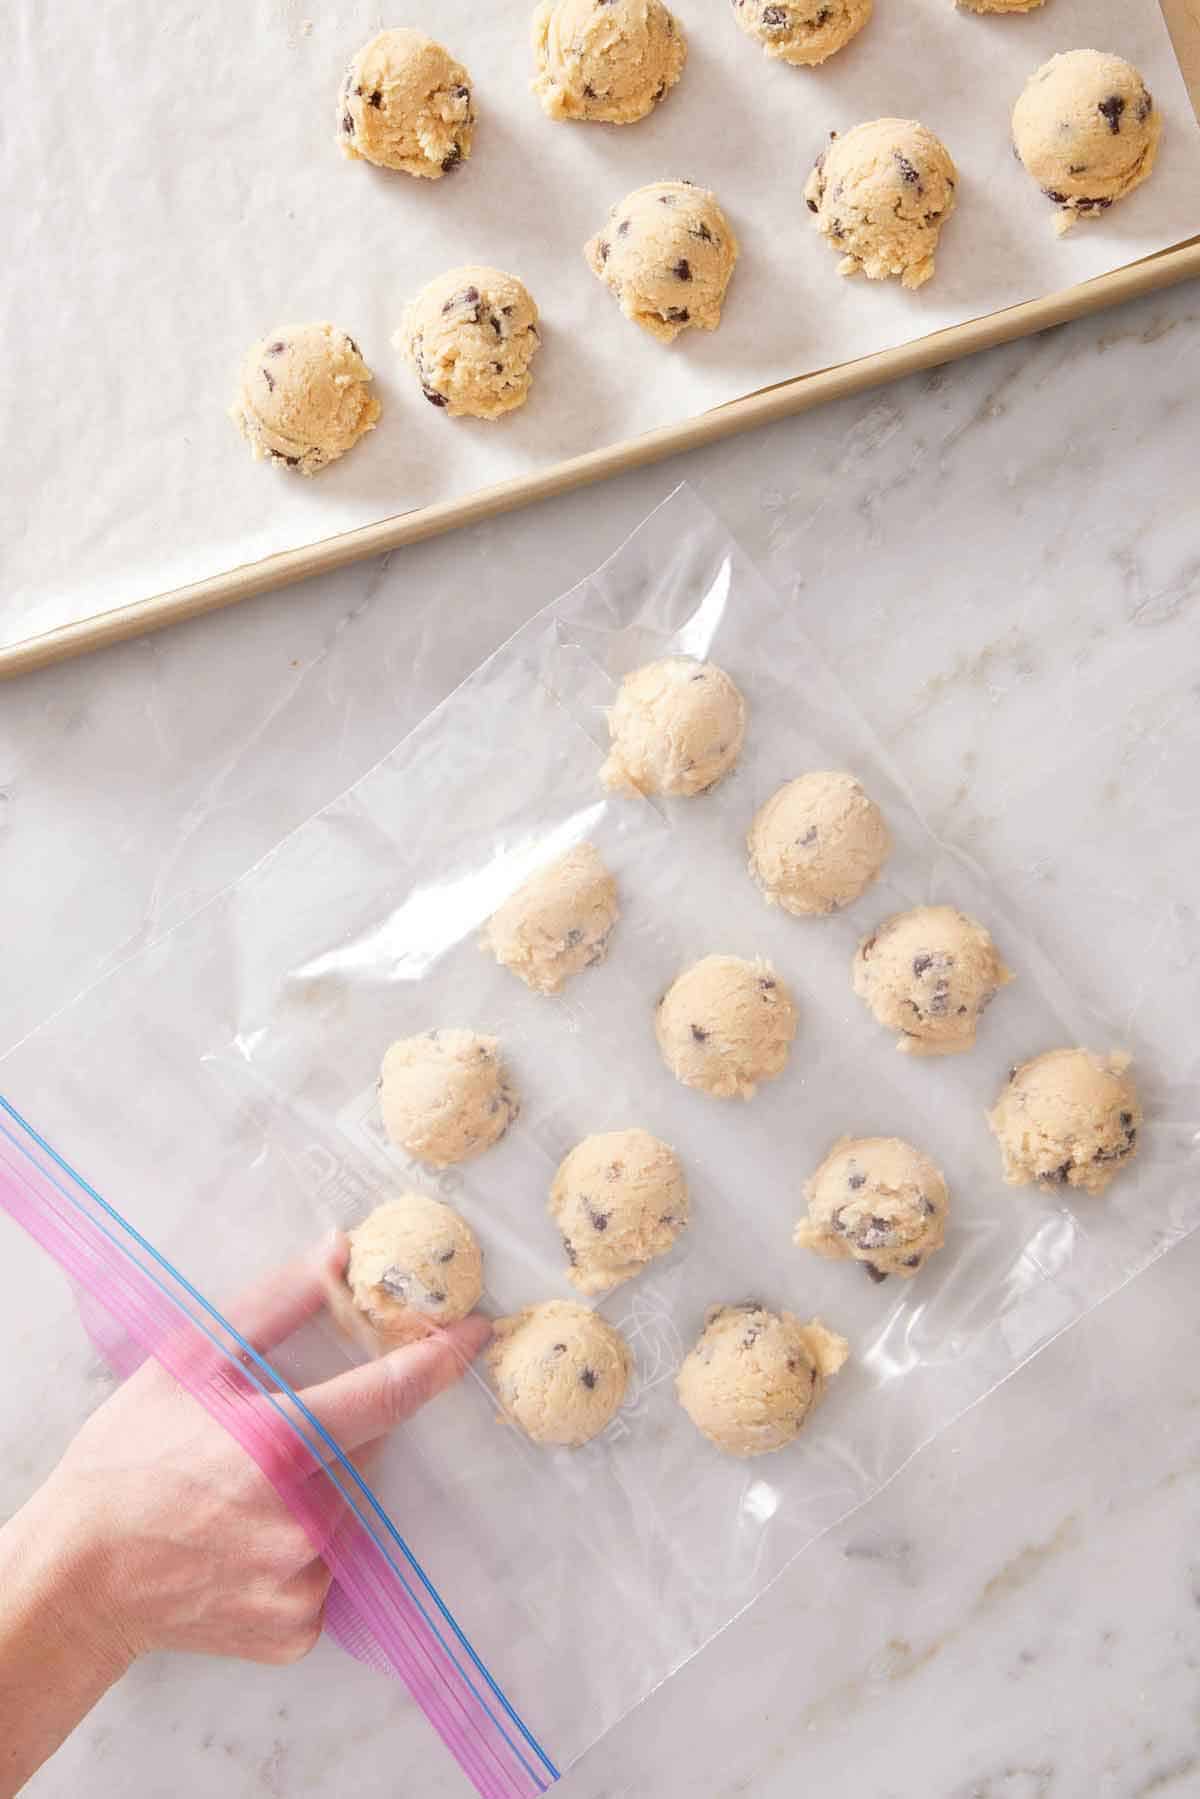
(174,190)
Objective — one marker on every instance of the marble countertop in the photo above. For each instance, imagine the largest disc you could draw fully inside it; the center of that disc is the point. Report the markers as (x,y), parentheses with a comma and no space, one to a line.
(999,559)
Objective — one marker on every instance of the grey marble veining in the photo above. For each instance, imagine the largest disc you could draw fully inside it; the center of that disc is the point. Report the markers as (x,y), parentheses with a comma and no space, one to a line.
(1000,560)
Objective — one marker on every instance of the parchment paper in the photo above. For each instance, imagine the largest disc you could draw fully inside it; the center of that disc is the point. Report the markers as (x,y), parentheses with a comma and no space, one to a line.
(174,190)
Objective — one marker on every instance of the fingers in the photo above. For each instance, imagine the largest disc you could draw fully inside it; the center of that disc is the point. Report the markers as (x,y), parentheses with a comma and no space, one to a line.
(286,1298)
(367,1402)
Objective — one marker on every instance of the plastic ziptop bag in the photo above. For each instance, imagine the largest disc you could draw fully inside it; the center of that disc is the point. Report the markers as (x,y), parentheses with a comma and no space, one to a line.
(221,1088)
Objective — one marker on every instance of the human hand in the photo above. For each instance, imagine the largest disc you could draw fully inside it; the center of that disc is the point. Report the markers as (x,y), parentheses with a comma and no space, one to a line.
(175,1537)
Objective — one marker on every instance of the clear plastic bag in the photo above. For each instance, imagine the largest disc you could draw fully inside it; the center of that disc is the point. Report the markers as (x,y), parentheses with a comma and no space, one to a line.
(220,1089)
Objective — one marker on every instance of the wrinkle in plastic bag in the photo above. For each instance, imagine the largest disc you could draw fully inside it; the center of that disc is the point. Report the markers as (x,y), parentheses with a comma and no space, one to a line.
(246,1046)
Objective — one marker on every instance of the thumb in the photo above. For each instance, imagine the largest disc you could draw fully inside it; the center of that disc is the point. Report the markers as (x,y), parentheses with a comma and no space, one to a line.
(368,1401)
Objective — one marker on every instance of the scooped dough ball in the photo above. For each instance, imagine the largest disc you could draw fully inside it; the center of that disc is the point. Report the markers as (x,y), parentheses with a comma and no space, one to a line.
(557,922)
(802,31)
(446,1096)
(414,1264)
(619,1199)
(754,1376)
(676,726)
(1069,1118)
(667,253)
(406,104)
(879,1201)
(605,59)
(471,335)
(304,396)
(817,844)
(881,195)
(725,1025)
(929,974)
(1086,129)
(560,1371)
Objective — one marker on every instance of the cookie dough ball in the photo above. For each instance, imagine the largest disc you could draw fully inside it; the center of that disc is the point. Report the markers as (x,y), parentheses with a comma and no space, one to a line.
(676,726)
(605,59)
(929,974)
(414,1264)
(304,397)
(817,844)
(446,1096)
(881,195)
(406,104)
(1086,129)
(725,1025)
(1069,1118)
(471,335)
(878,1201)
(667,253)
(802,31)
(754,1376)
(619,1199)
(560,1371)
(557,922)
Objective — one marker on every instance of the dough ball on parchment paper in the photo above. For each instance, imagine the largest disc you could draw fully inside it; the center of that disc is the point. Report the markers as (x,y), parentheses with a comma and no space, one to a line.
(754,1376)
(406,104)
(620,1199)
(878,1201)
(471,335)
(929,974)
(558,922)
(881,194)
(446,1096)
(1087,129)
(803,32)
(608,60)
(726,1024)
(1068,1118)
(560,1371)
(666,252)
(303,396)
(414,1265)
(818,843)
(676,727)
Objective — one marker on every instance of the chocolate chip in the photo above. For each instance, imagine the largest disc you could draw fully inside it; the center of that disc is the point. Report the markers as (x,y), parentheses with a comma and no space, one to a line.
(700,1035)
(962,1011)
(1077,168)
(569,1248)
(921,965)
(1099,205)
(269,378)
(908,173)
(702,232)
(876,1274)
(497,368)
(434,397)
(558,1349)
(588,1377)
(347,124)
(1126,1120)
(682,270)
(661,89)
(867,947)
(1112,108)
(939,1004)
(437,1296)
(1053,194)
(508,311)
(767,984)
(359,90)
(276,349)
(589,92)
(574,936)
(376,99)
(452,158)
(397,1282)
(812,206)
(677,315)
(775,18)
(462,93)
(822,18)
(793,1364)
(292,461)
(809,838)
(598,1220)
(668,199)
(835,230)
(353,346)
(602,250)
(1061,1174)
(855,1181)
(912,1261)
(446,1255)
(1145,106)
(623,228)
(751,1336)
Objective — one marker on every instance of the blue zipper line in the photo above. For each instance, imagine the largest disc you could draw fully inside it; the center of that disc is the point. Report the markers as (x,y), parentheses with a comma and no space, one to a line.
(357,1479)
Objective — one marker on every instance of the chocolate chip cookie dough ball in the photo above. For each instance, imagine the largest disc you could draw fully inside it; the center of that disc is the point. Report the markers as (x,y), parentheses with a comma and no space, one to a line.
(754,1377)
(676,726)
(446,1096)
(560,1371)
(471,335)
(878,1201)
(1069,1118)
(817,844)
(929,974)
(414,1265)
(611,60)
(619,1199)
(667,253)
(406,104)
(802,31)
(725,1025)
(1086,129)
(881,195)
(558,922)
(304,397)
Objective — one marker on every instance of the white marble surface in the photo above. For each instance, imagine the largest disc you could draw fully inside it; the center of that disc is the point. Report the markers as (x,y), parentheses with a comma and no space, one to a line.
(1000,559)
